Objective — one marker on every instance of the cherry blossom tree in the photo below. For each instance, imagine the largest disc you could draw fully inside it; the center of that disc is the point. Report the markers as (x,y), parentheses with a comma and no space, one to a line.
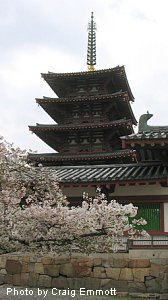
(36,216)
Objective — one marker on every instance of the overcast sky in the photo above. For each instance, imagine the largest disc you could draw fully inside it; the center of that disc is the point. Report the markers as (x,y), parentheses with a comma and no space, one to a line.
(37,36)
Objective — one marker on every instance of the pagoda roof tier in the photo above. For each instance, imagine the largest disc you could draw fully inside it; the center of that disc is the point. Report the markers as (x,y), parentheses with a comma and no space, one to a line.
(113,174)
(56,107)
(56,135)
(61,82)
(118,95)
(58,158)
(85,126)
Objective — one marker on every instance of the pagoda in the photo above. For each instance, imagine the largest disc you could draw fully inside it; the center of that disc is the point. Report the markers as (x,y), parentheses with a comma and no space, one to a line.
(91,111)
(94,143)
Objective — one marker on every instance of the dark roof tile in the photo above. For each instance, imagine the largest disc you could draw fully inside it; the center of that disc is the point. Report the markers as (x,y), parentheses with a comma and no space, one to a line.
(112,173)
(146,136)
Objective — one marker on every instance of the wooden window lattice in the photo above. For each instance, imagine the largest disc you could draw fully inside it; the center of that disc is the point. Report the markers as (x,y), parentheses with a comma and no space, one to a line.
(151,213)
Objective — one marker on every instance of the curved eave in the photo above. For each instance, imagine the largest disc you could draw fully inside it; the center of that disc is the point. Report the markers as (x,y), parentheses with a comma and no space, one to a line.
(124,79)
(122,95)
(134,121)
(56,157)
(55,79)
(80,74)
(118,123)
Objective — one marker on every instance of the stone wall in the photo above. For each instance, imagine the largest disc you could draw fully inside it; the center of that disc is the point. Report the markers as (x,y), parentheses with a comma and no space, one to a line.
(96,271)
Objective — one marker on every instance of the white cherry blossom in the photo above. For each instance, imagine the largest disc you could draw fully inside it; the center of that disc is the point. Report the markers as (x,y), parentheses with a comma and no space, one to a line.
(36,216)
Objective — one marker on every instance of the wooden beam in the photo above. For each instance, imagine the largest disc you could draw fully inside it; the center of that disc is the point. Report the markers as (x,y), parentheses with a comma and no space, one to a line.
(123,144)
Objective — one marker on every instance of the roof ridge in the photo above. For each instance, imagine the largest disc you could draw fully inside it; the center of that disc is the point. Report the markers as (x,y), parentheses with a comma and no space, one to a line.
(84,72)
(107,166)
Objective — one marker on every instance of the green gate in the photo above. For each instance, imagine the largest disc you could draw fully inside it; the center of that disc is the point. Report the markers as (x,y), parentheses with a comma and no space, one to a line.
(151,213)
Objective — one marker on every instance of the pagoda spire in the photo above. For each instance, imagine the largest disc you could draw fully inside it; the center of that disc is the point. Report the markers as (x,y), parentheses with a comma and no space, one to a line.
(91,50)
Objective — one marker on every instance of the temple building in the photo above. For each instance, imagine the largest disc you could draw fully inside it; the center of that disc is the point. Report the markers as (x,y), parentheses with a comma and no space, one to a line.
(94,143)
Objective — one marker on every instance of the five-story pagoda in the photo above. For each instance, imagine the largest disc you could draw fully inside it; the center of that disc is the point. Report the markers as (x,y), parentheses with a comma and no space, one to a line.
(91,112)
(94,143)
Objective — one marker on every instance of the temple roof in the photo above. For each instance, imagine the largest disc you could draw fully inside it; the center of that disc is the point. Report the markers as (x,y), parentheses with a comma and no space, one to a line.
(85,126)
(118,95)
(59,81)
(152,135)
(112,173)
(148,133)
(116,69)
(58,157)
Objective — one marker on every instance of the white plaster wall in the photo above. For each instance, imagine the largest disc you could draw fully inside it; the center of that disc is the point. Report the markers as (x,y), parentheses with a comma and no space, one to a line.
(119,191)
(140,190)
(166,217)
